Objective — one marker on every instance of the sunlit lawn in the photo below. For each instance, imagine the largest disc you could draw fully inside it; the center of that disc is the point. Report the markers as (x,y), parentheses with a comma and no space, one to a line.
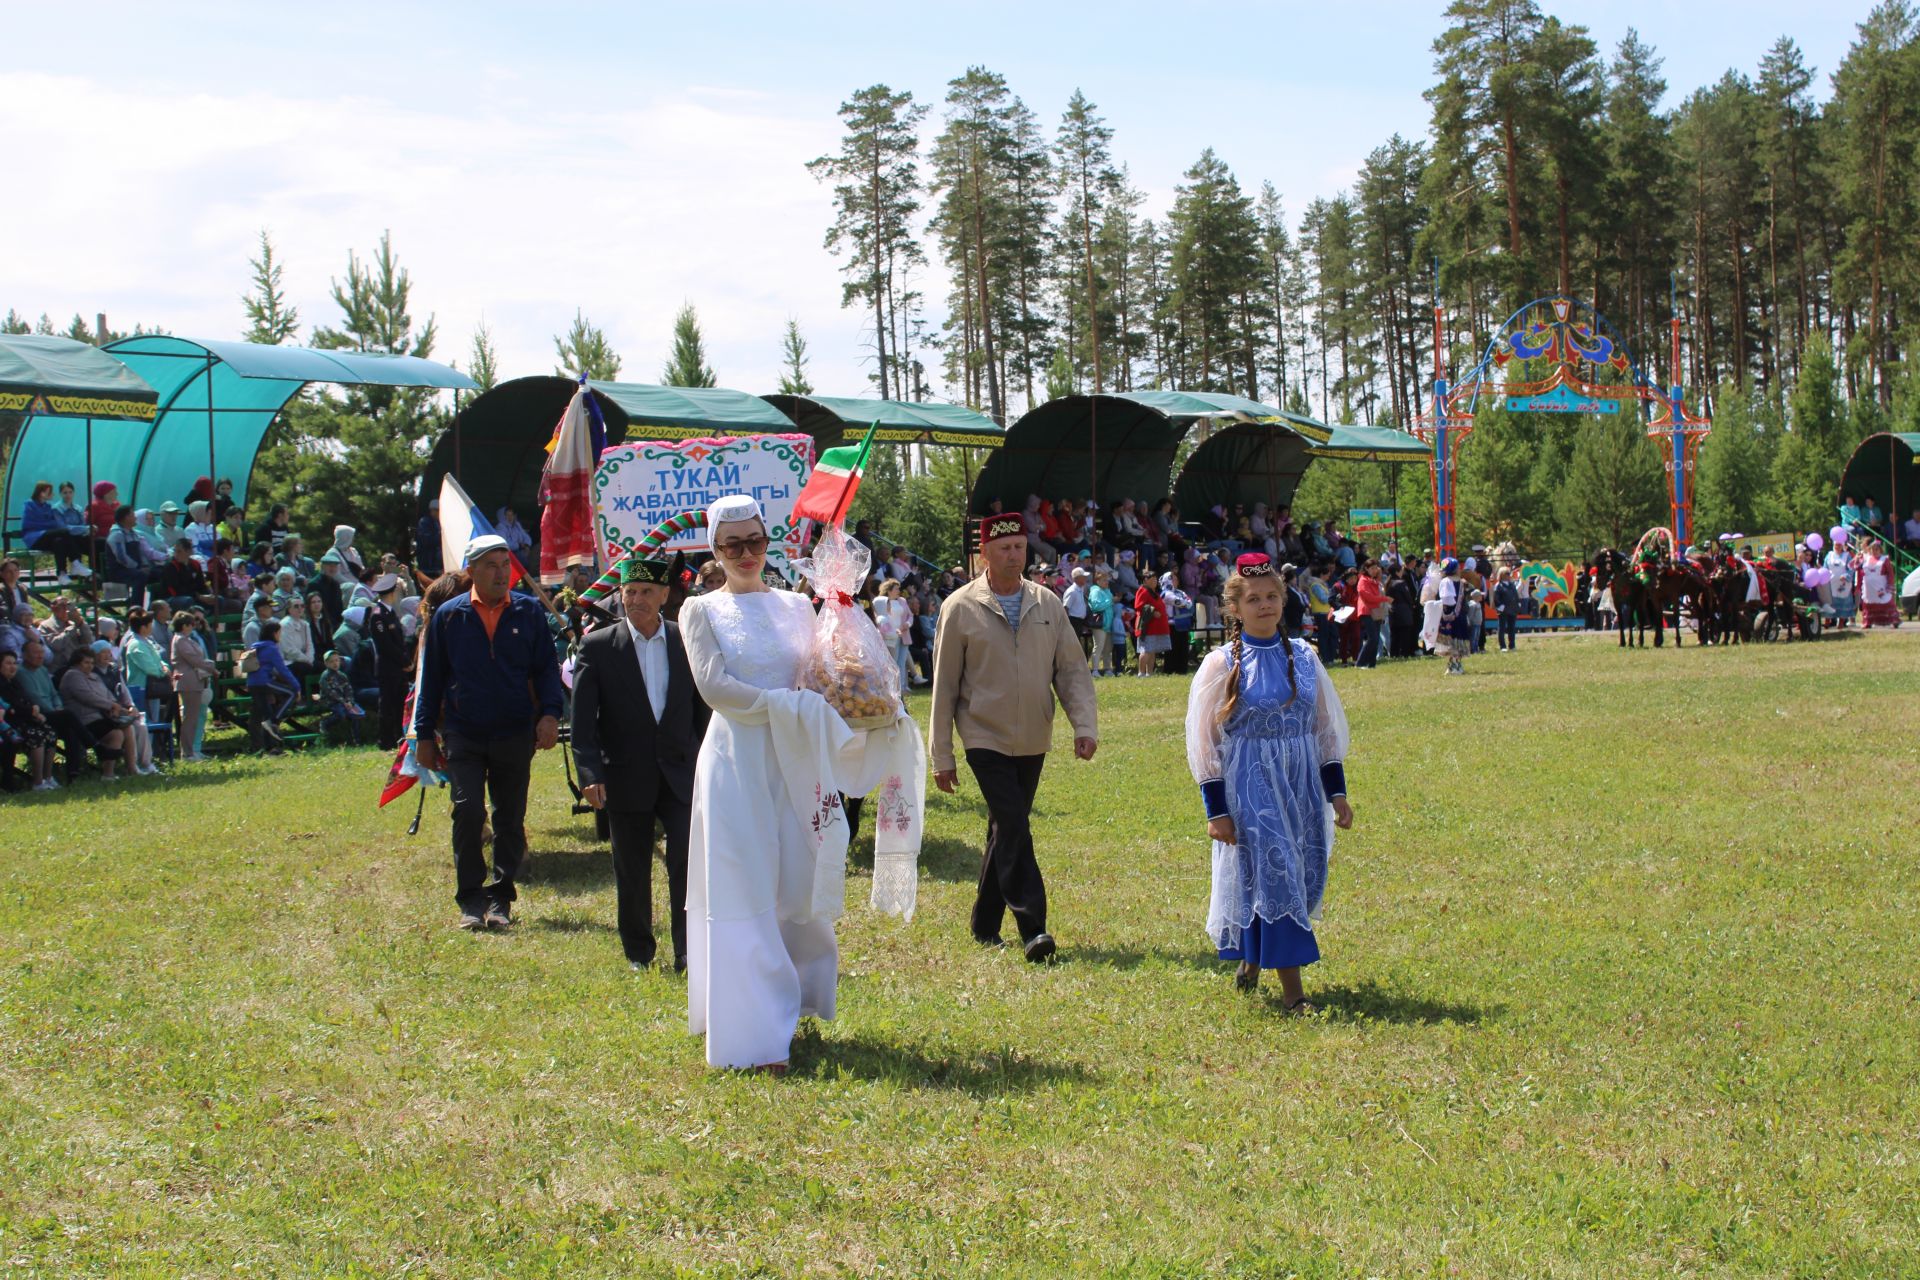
(1620,981)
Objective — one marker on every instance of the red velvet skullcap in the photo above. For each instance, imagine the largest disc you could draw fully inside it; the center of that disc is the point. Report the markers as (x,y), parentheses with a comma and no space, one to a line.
(993,528)
(1254,565)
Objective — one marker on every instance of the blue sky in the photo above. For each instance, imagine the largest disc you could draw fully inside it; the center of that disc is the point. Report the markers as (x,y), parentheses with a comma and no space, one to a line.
(623,158)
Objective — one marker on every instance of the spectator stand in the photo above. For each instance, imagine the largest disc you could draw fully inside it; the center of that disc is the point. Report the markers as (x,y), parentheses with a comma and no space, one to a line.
(60,388)
(1885,467)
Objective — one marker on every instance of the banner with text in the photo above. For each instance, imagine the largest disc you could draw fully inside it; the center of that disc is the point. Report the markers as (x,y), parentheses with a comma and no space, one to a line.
(643,482)
(1373,520)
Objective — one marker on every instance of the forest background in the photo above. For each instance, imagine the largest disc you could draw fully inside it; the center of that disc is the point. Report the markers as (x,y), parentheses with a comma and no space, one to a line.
(1003,258)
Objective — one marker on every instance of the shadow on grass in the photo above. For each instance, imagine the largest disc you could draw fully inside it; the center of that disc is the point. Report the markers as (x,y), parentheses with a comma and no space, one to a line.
(1128,958)
(981,1074)
(941,858)
(1370,1002)
(567,873)
(570,924)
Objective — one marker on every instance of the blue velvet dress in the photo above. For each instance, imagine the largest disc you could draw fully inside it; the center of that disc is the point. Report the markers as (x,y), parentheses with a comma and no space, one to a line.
(1277,763)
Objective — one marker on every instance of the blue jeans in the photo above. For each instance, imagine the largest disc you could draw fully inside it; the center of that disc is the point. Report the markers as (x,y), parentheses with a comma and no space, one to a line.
(1369,643)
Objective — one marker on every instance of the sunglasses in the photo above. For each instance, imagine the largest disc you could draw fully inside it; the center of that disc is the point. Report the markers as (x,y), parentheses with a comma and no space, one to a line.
(734,548)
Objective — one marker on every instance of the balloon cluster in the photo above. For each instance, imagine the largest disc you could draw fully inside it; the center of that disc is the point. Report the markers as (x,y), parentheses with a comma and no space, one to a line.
(1839,536)
(1816,577)
(1815,542)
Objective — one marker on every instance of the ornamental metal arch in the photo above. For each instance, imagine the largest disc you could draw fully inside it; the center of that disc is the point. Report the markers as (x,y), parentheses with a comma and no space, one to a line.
(1580,352)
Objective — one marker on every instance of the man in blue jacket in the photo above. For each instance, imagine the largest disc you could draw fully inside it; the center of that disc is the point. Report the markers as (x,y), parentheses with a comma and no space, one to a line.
(491,689)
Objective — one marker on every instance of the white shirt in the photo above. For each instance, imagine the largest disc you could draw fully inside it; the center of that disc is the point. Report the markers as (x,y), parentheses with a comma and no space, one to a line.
(652,654)
(1076,601)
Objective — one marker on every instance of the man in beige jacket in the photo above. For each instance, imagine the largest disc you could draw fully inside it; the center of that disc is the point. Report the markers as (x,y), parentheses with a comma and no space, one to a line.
(1003,649)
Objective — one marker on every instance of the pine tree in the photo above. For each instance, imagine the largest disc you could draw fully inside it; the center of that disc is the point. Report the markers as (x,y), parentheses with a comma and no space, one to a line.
(876,195)
(1876,122)
(270,320)
(970,160)
(687,365)
(355,458)
(793,354)
(1089,180)
(483,364)
(1735,466)
(585,351)
(1614,488)
(15,323)
(1215,261)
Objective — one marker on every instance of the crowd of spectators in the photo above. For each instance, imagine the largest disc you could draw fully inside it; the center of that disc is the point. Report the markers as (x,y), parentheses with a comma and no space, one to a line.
(177,601)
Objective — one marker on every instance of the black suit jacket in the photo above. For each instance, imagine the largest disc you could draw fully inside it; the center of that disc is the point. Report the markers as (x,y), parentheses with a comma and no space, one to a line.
(616,740)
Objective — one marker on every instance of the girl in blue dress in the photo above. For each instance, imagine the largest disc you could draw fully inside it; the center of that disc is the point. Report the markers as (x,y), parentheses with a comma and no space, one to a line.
(1266,740)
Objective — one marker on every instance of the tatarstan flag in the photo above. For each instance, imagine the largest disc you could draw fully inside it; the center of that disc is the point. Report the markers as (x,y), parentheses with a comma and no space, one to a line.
(835,477)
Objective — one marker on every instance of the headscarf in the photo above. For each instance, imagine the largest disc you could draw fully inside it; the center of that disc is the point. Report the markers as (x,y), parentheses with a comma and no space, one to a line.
(343,543)
(202,491)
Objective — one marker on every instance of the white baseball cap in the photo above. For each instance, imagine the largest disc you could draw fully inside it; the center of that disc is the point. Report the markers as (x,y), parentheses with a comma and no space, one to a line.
(481,545)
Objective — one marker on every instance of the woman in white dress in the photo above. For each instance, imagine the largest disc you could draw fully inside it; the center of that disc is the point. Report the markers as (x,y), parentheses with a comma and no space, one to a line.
(759,956)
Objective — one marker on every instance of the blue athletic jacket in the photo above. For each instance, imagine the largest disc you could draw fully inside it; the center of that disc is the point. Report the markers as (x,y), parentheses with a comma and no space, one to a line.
(488,688)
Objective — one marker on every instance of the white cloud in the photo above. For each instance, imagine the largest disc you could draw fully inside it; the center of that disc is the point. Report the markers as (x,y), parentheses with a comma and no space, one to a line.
(152,202)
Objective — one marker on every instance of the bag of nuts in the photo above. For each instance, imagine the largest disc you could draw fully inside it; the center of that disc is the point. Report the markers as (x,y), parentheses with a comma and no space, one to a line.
(849,665)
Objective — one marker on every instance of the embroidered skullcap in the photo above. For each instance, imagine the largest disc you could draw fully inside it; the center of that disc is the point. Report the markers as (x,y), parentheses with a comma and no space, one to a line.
(1254,564)
(1450,565)
(735,506)
(634,569)
(993,528)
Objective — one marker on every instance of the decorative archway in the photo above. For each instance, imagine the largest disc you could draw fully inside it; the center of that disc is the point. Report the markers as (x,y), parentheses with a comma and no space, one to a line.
(1588,361)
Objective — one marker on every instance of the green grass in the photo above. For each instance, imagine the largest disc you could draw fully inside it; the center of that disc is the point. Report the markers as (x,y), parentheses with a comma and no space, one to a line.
(1619,982)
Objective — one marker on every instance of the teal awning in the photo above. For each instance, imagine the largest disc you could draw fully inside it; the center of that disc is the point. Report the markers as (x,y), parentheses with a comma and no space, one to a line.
(216,401)
(1886,468)
(60,377)
(684,413)
(1369,444)
(833,420)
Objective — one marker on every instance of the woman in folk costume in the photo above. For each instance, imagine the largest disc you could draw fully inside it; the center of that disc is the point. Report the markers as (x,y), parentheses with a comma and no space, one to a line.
(1456,627)
(1839,566)
(1266,741)
(1879,605)
(758,958)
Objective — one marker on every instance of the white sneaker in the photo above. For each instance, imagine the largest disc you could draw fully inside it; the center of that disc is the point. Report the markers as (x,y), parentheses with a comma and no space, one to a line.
(81,571)
(63,581)
(45,784)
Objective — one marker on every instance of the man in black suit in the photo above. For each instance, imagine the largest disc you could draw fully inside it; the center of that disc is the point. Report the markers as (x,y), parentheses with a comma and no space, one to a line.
(637,727)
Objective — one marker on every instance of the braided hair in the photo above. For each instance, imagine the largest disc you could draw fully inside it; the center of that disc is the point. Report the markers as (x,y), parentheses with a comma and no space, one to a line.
(1230,598)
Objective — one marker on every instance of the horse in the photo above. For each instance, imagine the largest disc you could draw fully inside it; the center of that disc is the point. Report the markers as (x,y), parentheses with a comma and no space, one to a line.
(1682,584)
(1729,585)
(1633,603)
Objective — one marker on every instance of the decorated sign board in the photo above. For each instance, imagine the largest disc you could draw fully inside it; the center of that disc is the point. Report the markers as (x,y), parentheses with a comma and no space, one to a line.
(641,483)
(1372,519)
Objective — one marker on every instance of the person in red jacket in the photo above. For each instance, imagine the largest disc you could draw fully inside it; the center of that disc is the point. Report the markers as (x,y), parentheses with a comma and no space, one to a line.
(1153,635)
(1370,605)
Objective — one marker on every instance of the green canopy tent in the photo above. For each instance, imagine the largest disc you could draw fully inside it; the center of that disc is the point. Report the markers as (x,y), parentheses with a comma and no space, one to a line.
(836,420)
(496,445)
(1105,447)
(69,389)
(215,402)
(60,377)
(1886,468)
(1366,444)
(1247,462)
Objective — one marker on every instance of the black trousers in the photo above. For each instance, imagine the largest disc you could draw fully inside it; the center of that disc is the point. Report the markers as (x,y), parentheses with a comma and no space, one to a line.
(393,697)
(632,832)
(476,769)
(1009,874)
(1509,631)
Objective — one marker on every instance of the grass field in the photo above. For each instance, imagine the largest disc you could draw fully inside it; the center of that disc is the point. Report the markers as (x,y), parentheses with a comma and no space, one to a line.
(1620,981)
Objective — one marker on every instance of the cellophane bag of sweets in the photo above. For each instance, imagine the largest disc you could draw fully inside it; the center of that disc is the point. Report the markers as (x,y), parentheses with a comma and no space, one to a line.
(849,665)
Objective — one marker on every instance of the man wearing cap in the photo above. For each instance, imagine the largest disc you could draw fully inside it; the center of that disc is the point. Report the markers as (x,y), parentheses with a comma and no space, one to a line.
(389,640)
(637,726)
(491,687)
(1003,650)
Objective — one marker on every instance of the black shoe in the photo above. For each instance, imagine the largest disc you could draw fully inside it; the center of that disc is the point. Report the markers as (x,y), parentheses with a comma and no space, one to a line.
(679,964)
(1040,948)
(992,943)
(471,919)
(499,915)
